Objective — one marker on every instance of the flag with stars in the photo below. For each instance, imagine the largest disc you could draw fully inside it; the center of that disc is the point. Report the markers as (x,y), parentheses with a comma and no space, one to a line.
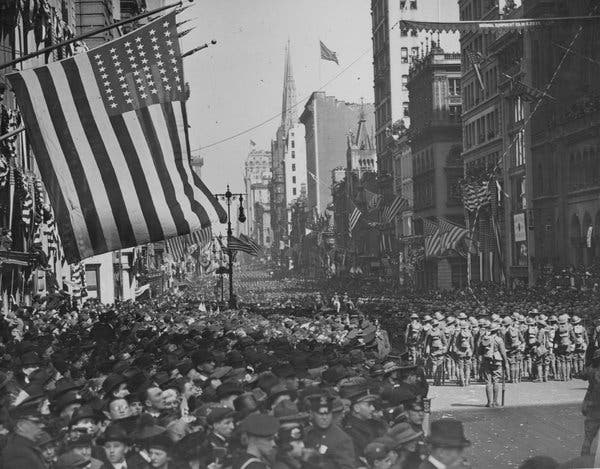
(109,131)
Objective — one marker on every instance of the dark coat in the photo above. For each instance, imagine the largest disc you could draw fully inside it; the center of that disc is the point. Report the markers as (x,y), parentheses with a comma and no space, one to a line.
(362,432)
(21,453)
(334,444)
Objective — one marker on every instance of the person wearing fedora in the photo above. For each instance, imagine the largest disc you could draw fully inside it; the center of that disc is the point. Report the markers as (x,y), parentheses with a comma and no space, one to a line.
(493,362)
(447,444)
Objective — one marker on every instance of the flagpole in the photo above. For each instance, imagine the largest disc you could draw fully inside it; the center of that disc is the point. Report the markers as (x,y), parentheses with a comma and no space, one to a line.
(89,34)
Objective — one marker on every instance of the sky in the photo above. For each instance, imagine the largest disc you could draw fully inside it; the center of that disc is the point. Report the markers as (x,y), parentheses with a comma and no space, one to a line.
(238,82)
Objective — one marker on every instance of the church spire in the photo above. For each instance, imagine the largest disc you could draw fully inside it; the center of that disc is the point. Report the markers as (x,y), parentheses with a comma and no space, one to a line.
(288,111)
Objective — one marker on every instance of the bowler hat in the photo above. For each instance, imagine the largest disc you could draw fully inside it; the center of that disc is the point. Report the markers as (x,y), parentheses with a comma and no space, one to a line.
(403,433)
(448,433)
(114,432)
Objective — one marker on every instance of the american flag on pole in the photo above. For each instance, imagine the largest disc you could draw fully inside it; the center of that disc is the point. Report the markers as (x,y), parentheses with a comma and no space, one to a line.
(391,211)
(328,54)
(476,59)
(433,243)
(248,240)
(236,244)
(109,131)
(373,200)
(354,217)
(451,234)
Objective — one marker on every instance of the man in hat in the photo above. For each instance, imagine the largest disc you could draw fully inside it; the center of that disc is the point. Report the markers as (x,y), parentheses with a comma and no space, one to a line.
(116,445)
(581,344)
(591,403)
(325,437)
(413,338)
(381,454)
(436,346)
(514,348)
(447,444)
(463,347)
(407,443)
(220,421)
(360,423)
(21,450)
(564,345)
(260,431)
(493,362)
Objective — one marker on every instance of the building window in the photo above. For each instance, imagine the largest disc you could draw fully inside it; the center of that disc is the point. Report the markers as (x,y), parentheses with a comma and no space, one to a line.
(404,82)
(293,144)
(294,191)
(293,154)
(404,55)
(454,86)
(414,52)
(293,166)
(519,148)
(413,4)
(404,32)
(413,32)
(402,4)
(293,179)
(405,109)
(92,280)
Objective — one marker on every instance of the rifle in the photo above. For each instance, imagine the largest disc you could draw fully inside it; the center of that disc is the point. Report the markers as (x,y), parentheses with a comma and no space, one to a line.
(503,384)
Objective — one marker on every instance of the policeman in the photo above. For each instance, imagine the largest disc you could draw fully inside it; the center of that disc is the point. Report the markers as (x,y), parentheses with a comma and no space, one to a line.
(493,362)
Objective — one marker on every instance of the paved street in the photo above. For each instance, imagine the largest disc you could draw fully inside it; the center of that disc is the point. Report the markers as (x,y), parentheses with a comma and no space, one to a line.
(538,418)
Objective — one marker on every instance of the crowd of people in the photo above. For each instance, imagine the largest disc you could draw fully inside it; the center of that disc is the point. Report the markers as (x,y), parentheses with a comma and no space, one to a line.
(312,380)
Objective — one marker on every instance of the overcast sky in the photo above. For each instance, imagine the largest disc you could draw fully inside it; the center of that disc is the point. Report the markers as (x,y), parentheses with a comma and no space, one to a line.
(238,83)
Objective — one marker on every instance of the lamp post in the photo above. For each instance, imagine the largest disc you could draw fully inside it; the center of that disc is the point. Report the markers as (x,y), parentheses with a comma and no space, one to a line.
(228,196)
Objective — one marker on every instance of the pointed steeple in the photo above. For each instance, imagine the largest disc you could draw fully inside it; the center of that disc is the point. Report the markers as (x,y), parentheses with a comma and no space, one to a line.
(288,111)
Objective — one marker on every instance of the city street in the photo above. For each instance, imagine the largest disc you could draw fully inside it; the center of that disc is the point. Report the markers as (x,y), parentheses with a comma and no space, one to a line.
(538,419)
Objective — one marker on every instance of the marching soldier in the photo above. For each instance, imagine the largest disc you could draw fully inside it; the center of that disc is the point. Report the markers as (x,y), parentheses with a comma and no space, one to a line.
(463,347)
(581,344)
(514,348)
(450,330)
(551,333)
(474,326)
(531,343)
(436,346)
(413,338)
(493,362)
(541,360)
(564,346)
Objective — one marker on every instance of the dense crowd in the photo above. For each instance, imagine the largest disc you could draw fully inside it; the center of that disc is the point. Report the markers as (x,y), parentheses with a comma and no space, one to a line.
(299,380)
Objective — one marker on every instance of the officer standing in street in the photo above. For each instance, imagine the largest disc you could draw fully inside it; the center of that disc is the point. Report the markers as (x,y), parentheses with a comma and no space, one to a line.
(493,362)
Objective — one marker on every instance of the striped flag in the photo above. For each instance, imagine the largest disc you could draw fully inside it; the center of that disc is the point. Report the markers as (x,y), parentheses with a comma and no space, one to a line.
(251,242)
(328,54)
(202,237)
(431,231)
(236,244)
(177,247)
(109,131)
(391,211)
(354,217)
(475,196)
(476,59)
(451,234)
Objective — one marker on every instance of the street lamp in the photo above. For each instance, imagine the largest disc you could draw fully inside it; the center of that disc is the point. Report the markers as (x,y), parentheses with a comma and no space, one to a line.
(228,196)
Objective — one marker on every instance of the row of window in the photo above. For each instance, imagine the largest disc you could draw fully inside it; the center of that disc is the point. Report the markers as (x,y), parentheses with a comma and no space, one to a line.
(482,130)
(404,57)
(423,161)
(424,192)
(404,4)
(476,9)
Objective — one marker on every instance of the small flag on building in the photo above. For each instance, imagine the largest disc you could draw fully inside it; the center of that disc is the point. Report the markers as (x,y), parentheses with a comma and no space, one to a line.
(476,59)
(328,54)
(451,234)
(354,217)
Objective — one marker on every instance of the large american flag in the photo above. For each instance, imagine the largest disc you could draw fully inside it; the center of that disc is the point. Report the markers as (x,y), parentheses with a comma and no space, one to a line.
(433,242)
(398,205)
(109,132)
(451,234)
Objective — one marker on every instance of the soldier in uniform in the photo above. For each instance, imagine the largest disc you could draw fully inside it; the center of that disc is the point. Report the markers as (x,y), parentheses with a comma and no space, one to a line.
(564,346)
(540,356)
(449,330)
(551,333)
(413,339)
(474,326)
(493,362)
(436,346)
(514,348)
(463,347)
(531,343)
(581,345)
(329,440)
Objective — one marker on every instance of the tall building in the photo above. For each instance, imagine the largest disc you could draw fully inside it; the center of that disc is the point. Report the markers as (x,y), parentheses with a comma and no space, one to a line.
(92,14)
(435,141)
(288,165)
(563,172)
(327,122)
(257,177)
(394,51)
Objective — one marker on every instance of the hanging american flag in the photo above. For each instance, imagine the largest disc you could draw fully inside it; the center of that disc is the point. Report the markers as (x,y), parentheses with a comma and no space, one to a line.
(391,211)
(177,247)
(248,240)
(451,234)
(476,60)
(202,237)
(109,131)
(475,195)
(433,243)
(354,217)
(328,54)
